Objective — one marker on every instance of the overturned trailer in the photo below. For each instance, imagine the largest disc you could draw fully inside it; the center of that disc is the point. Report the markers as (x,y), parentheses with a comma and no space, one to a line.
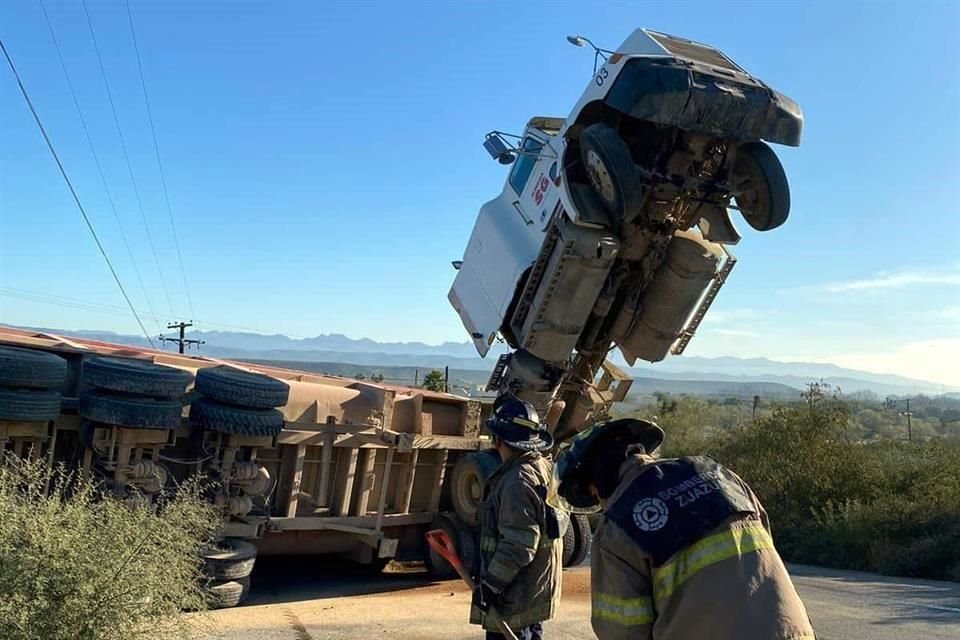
(340,466)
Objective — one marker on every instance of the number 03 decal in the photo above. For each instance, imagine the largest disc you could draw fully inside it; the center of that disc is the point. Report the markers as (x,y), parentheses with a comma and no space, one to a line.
(602,76)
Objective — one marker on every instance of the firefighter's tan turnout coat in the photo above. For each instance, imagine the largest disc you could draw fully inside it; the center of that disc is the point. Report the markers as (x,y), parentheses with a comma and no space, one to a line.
(520,548)
(724,583)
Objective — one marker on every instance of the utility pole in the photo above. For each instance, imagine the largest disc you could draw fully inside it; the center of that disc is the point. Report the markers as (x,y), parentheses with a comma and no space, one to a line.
(908,413)
(446,379)
(891,403)
(182,341)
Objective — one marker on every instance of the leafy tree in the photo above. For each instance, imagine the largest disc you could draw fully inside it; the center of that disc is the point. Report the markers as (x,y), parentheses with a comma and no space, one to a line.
(377,377)
(865,396)
(434,381)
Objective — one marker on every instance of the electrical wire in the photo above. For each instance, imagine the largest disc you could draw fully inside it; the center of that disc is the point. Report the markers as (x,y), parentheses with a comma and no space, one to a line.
(85,305)
(76,199)
(156,148)
(126,155)
(69,304)
(96,160)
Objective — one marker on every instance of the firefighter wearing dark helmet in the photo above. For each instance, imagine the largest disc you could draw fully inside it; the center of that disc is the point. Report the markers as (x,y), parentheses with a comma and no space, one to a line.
(683,551)
(519,532)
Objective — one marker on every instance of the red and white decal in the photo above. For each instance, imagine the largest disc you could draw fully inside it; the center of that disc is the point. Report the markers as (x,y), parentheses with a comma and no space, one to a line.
(543,184)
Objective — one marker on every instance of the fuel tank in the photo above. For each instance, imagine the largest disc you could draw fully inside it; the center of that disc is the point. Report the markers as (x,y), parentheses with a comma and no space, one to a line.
(647,330)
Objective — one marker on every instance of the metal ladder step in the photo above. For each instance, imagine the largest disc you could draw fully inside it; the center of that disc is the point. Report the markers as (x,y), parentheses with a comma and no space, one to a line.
(496,376)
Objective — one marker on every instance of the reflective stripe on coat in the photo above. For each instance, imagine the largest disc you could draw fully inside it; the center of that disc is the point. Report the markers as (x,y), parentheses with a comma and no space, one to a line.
(728,585)
(520,550)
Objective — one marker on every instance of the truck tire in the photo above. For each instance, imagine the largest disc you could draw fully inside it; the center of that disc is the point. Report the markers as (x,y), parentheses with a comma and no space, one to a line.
(569,542)
(139,377)
(765,193)
(224,595)
(470,473)
(29,405)
(31,369)
(463,541)
(130,411)
(242,388)
(582,539)
(224,418)
(611,171)
(229,559)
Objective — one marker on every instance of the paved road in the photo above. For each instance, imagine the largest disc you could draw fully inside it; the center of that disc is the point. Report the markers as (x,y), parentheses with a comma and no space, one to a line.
(306,600)
(847,604)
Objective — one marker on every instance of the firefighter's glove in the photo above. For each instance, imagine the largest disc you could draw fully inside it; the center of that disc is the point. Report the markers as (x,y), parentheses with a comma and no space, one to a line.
(486,596)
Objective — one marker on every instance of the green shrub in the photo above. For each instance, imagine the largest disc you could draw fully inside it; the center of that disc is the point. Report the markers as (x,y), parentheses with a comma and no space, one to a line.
(888,506)
(77,566)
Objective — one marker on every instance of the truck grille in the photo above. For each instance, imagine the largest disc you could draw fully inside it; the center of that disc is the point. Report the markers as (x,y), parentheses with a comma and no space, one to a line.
(695,52)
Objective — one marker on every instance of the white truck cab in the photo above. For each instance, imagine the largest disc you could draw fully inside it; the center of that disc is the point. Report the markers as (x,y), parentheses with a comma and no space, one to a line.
(508,233)
(612,225)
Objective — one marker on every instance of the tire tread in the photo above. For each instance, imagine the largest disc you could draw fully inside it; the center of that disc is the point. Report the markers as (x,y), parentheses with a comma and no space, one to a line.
(130,411)
(139,377)
(242,388)
(31,369)
(29,405)
(224,418)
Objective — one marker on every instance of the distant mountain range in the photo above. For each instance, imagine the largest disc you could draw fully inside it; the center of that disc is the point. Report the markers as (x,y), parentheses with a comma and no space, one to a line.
(472,381)
(337,348)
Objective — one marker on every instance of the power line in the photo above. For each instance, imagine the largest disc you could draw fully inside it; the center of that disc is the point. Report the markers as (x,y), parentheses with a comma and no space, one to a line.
(53,152)
(68,303)
(156,148)
(123,145)
(108,309)
(96,160)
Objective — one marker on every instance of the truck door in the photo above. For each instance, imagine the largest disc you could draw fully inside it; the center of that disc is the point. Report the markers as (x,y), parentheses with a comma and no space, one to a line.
(505,241)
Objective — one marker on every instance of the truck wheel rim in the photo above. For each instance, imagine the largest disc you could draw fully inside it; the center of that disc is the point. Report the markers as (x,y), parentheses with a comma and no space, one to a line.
(469,493)
(600,178)
(752,195)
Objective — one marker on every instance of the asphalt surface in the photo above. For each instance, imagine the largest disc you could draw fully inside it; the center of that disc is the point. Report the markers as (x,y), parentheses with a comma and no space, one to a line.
(311,600)
(864,606)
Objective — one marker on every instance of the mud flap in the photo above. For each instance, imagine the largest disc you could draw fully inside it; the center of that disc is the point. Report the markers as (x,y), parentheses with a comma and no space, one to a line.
(716,226)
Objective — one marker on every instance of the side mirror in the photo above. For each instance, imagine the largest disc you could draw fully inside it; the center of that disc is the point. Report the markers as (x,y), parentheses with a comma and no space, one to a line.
(498,149)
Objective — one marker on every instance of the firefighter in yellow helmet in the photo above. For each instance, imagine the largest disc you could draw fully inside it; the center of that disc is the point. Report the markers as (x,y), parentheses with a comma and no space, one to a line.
(683,551)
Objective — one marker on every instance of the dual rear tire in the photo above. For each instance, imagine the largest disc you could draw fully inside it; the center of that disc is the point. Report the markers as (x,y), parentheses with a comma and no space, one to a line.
(132,393)
(577,540)
(238,402)
(29,383)
(227,564)
(465,540)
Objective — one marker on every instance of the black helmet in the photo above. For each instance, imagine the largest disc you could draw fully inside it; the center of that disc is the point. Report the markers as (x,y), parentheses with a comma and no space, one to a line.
(574,466)
(518,425)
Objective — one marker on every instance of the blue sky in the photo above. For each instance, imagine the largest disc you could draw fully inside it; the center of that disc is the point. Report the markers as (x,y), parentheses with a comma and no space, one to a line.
(324,165)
